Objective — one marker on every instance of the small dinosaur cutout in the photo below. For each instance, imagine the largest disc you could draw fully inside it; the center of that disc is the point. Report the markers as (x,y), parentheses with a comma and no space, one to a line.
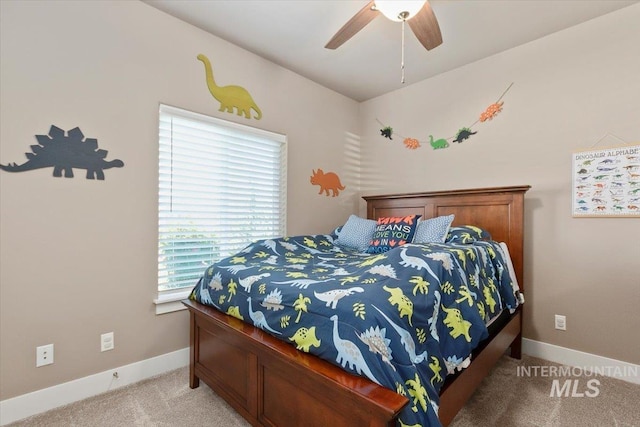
(438,143)
(463,134)
(386,132)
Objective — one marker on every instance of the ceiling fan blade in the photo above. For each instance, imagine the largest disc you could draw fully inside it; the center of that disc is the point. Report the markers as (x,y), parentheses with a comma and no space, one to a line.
(355,24)
(425,26)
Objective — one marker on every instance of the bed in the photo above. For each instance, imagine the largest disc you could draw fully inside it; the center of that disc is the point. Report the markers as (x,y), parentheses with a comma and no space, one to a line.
(272,382)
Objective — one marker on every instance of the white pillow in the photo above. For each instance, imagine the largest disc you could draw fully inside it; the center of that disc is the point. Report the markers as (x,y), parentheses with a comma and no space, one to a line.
(356,233)
(433,230)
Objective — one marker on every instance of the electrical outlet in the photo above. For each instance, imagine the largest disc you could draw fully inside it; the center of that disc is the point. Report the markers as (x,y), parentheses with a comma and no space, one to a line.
(44,355)
(561,322)
(107,342)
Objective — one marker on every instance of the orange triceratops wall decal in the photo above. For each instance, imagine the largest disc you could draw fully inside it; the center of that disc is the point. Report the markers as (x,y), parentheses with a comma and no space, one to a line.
(327,181)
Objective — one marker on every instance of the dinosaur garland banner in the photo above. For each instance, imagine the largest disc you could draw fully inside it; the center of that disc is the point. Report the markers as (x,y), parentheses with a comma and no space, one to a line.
(461,135)
(230,97)
(63,153)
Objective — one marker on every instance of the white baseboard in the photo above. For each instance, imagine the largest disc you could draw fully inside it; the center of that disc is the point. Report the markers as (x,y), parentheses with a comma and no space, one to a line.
(610,367)
(29,404)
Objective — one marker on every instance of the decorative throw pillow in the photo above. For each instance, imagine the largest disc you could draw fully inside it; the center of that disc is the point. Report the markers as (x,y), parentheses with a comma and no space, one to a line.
(356,233)
(391,232)
(467,234)
(433,230)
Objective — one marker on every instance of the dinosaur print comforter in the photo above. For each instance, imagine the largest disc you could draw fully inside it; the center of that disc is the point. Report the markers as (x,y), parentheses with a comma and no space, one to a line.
(403,319)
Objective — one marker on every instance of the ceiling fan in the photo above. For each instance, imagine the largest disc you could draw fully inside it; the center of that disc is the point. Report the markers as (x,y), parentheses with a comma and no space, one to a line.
(418,14)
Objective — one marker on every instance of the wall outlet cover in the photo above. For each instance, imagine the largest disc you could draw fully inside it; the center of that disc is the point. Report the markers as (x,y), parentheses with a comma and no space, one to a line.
(107,341)
(44,355)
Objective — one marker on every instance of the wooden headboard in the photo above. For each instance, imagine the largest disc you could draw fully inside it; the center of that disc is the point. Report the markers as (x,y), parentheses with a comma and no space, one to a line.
(499,210)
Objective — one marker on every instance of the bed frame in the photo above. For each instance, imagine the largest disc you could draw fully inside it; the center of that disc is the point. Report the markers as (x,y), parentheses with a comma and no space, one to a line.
(270,383)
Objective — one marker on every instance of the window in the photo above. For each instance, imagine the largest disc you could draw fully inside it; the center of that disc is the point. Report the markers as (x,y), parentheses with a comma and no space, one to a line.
(221,186)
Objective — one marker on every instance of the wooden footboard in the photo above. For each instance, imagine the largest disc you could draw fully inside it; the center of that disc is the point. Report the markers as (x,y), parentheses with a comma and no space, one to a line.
(270,383)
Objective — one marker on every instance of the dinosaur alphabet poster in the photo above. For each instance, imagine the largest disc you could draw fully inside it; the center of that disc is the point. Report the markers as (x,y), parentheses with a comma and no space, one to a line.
(63,153)
(607,182)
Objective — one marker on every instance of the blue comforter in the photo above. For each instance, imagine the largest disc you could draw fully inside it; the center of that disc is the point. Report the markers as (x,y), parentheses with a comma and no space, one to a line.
(403,319)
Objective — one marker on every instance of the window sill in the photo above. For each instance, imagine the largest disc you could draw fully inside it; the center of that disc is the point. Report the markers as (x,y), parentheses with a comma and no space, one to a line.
(168,302)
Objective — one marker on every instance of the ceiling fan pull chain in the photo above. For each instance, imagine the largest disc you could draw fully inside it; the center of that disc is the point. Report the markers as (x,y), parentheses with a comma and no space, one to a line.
(402,61)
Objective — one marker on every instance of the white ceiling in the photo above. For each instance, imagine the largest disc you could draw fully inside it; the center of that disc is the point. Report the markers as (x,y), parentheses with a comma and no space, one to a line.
(293,34)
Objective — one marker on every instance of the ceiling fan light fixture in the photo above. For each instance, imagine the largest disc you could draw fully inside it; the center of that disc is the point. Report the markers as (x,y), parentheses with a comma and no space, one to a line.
(399,10)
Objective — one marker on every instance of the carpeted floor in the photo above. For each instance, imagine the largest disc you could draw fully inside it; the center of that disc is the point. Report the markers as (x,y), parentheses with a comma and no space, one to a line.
(508,397)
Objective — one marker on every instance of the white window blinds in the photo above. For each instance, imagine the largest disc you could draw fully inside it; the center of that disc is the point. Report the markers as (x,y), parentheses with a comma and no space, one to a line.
(221,186)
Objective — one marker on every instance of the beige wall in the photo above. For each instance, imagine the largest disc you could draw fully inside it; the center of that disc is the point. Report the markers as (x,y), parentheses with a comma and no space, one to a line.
(570,89)
(78,257)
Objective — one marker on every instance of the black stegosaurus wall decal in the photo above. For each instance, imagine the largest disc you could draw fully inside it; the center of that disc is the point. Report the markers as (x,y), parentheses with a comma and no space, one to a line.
(64,153)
